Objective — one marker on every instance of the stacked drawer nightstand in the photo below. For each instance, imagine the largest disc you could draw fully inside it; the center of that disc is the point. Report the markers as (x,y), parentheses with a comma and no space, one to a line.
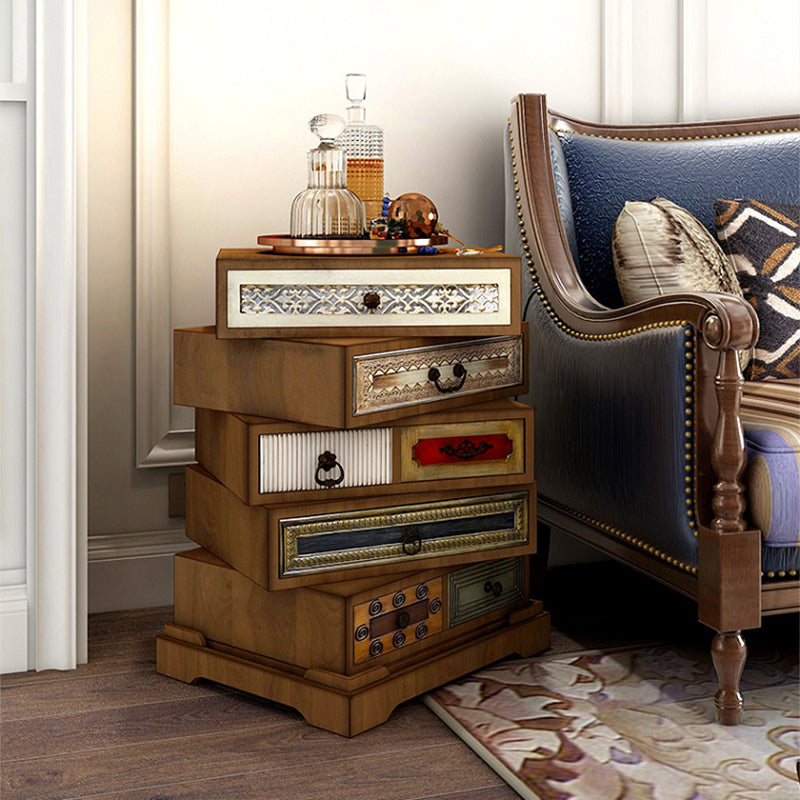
(364,499)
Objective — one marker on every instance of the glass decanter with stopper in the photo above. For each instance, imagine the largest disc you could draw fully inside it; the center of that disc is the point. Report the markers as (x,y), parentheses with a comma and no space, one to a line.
(327,209)
(363,144)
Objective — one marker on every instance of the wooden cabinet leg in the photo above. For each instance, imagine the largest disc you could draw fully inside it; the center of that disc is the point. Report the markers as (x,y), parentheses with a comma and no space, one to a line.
(728,652)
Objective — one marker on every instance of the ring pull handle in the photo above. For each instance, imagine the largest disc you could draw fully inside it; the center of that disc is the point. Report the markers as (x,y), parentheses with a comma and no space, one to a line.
(459,371)
(495,589)
(325,463)
(411,541)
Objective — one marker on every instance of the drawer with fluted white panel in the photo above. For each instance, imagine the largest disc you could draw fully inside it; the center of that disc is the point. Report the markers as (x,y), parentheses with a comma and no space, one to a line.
(304,544)
(262,295)
(345,383)
(267,461)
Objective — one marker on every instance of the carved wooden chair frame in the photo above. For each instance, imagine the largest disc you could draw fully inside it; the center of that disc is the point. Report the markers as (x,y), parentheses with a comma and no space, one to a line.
(727,582)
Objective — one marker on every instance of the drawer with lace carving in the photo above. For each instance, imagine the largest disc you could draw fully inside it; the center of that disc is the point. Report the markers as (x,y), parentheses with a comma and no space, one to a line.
(266,461)
(260,295)
(344,383)
(350,627)
(303,544)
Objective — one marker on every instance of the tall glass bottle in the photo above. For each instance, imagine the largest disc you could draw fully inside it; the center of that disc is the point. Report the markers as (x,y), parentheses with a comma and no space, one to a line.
(327,209)
(363,146)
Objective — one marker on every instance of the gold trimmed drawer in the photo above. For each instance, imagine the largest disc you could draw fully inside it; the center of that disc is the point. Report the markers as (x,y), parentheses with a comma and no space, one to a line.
(262,295)
(266,461)
(286,546)
(344,628)
(345,383)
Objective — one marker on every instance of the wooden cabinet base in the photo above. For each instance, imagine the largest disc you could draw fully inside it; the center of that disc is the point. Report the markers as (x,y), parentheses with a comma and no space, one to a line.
(339,703)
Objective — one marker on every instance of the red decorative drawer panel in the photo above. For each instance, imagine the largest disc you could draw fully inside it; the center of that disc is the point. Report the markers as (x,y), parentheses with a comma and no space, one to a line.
(452,449)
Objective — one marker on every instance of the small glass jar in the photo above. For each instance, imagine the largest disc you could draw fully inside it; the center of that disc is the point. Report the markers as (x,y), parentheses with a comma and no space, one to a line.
(327,209)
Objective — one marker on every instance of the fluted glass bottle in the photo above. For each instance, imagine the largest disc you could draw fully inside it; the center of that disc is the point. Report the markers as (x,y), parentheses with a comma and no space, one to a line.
(327,209)
(363,145)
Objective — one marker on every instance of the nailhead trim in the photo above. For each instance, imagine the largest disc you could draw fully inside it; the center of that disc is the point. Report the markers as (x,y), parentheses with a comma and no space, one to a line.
(672,138)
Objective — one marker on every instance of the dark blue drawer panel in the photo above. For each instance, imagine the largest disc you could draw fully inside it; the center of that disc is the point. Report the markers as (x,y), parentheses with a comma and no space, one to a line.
(407,533)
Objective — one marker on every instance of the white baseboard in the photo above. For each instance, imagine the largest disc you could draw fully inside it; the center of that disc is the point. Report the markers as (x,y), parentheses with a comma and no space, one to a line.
(13,628)
(133,570)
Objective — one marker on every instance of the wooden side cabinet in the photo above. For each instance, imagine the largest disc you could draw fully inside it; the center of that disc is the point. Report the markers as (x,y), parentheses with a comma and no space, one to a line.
(364,501)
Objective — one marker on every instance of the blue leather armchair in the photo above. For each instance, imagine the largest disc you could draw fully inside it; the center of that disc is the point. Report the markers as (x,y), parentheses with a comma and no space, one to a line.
(639,436)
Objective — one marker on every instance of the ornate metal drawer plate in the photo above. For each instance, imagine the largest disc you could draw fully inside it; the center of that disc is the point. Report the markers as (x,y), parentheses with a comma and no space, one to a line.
(392,621)
(402,378)
(482,588)
(411,533)
(307,298)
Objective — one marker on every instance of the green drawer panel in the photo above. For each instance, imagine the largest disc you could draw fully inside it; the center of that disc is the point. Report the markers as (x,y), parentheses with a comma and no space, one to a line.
(485,587)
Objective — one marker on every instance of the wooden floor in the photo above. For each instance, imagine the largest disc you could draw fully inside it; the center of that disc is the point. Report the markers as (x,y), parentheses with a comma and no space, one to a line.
(113,728)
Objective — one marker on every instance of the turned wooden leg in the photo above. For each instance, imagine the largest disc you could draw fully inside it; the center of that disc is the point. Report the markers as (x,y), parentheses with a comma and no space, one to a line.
(728,652)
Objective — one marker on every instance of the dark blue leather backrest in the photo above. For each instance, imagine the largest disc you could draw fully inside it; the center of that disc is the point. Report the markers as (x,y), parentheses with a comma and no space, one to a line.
(602,174)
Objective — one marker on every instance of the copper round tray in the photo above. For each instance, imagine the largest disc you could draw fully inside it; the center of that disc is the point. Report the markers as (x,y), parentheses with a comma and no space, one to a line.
(286,245)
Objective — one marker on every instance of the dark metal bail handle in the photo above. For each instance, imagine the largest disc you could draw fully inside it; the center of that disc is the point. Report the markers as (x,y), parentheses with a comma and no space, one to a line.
(459,371)
(411,541)
(325,463)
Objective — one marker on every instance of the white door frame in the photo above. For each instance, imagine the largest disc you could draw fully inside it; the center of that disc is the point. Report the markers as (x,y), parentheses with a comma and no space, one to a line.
(56,569)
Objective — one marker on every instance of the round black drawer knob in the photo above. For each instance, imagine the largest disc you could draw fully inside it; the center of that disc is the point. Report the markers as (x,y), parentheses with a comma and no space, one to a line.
(495,589)
(403,619)
(362,631)
(399,639)
(371,300)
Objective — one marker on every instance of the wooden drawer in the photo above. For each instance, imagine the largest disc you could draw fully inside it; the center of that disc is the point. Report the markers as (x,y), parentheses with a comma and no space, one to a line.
(286,546)
(267,461)
(344,383)
(346,627)
(270,296)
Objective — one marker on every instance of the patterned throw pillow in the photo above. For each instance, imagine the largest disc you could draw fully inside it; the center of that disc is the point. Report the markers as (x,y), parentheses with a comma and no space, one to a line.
(762,243)
(660,248)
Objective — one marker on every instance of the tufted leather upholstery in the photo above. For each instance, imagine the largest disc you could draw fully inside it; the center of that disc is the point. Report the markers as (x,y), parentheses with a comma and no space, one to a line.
(604,173)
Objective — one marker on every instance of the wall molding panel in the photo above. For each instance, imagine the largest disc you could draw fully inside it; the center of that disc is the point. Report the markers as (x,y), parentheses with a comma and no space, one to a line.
(693,61)
(617,66)
(156,444)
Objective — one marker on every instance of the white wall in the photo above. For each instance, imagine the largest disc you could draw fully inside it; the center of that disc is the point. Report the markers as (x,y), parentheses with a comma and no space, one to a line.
(243,79)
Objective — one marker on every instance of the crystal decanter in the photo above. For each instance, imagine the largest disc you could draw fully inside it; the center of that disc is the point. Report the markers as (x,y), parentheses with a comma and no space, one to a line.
(327,209)
(363,145)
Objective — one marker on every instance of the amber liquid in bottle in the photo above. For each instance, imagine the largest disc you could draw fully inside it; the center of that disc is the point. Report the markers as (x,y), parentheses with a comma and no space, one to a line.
(365,178)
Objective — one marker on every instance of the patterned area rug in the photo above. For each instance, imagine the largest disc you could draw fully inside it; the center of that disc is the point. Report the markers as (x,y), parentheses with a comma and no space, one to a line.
(635,722)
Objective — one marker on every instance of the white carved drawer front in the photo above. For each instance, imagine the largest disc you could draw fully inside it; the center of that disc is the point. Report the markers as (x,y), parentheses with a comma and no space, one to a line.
(482,588)
(374,298)
(324,459)
(402,378)
(407,533)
